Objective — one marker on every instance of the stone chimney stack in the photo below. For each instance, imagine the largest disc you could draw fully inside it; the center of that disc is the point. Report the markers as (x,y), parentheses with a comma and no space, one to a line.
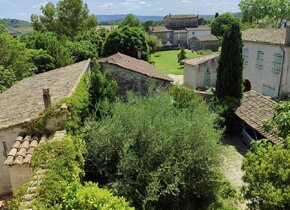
(46,98)
(287,41)
(139,53)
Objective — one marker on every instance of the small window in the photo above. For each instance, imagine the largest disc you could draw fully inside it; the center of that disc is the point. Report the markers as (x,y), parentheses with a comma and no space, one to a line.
(206,79)
(277,63)
(193,33)
(268,91)
(246,56)
(260,60)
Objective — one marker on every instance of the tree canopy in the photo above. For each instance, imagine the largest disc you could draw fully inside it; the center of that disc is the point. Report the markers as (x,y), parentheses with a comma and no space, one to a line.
(135,151)
(67,18)
(266,10)
(222,23)
(127,40)
(130,20)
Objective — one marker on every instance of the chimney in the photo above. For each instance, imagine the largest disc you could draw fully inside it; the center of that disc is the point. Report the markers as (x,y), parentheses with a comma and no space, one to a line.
(169,14)
(287,41)
(46,98)
(139,53)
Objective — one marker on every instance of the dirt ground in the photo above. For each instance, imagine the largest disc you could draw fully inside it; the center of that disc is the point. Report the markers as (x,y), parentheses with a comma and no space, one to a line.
(178,79)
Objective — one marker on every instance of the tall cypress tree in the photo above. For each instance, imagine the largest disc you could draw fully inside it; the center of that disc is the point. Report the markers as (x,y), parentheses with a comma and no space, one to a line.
(230,68)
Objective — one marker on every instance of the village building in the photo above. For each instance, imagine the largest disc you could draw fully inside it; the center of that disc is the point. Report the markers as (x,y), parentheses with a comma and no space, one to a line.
(200,73)
(21,104)
(179,30)
(266,54)
(254,110)
(204,42)
(134,74)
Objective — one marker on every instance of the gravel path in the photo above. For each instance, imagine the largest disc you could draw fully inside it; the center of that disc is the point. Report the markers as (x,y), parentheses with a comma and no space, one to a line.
(233,159)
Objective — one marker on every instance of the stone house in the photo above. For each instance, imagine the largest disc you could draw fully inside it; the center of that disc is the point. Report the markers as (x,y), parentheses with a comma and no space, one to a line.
(177,22)
(204,42)
(178,30)
(266,54)
(133,74)
(200,73)
(24,102)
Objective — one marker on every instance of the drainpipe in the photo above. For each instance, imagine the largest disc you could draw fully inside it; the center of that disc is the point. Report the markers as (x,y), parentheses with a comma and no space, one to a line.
(281,75)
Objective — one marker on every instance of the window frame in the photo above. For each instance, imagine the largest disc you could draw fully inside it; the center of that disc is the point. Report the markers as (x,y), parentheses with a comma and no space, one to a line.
(268,88)
(245,56)
(275,63)
(260,59)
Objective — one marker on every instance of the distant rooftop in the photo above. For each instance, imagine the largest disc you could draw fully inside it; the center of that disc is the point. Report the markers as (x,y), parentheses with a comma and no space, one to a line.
(207,38)
(24,101)
(200,60)
(136,65)
(264,35)
(181,16)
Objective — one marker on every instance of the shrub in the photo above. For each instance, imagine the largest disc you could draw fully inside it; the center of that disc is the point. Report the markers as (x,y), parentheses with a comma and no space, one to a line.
(155,153)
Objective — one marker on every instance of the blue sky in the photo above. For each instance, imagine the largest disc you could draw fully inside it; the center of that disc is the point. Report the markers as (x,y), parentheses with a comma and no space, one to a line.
(22,9)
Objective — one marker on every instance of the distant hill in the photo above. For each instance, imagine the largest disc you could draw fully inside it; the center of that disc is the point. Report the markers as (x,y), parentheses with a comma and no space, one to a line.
(14,23)
(119,17)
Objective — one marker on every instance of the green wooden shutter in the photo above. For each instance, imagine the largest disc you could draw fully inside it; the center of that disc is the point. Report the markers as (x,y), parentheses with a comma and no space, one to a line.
(206,79)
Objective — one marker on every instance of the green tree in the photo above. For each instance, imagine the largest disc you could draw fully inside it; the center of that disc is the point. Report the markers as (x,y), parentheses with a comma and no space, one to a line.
(2,27)
(153,43)
(135,151)
(127,40)
(222,23)
(67,18)
(7,78)
(181,55)
(55,48)
(267,177)
(131,21)
(230,65)
(269,10)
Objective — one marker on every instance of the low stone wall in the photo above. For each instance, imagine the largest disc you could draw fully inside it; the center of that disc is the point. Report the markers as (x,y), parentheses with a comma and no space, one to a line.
(205,95)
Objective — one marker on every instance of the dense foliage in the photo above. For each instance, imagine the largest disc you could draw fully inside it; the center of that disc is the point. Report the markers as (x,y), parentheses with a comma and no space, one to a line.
(131,21)
(223,23)
(267,176)
(60,188)
(135,151)
(230,65)
(127,40)
(67,18)
(269,11)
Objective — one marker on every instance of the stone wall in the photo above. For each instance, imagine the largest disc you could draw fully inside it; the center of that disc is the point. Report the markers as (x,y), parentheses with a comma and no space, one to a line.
(180,38)
(129,80)
(180,23)
(164,37)
(7,137)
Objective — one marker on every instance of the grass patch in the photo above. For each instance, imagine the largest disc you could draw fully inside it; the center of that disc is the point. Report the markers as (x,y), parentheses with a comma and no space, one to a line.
(166,61)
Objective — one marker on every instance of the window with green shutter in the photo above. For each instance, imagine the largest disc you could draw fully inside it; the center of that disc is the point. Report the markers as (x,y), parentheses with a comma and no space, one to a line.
(277,63)
(206,79)
(260,60)
(246,56)
(268,91)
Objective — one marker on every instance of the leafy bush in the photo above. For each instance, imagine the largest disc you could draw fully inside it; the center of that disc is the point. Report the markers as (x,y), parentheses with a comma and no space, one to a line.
(156,154)
(267,177)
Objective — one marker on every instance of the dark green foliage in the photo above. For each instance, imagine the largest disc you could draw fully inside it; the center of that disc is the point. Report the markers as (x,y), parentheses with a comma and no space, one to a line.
(149,23)
(230,66)
(127,40)
(181,55)
(7,78)
(281,119)
(267,177)
(223,23)
(101,87)
(59,54)
(131,21)
(68,18)
(82,50)
(157,153)
(2,27)
(153,43)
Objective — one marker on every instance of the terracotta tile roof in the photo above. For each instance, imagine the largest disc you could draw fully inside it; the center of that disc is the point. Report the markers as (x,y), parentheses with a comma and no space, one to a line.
(22,149)
(205,38)
(24,101)
(263,35)
(256,108)
(200,60)
(158,29)
(136,65)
